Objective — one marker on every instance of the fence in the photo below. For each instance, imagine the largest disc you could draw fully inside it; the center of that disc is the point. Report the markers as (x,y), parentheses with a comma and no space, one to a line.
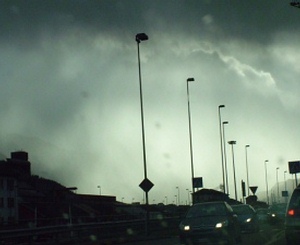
(104,232)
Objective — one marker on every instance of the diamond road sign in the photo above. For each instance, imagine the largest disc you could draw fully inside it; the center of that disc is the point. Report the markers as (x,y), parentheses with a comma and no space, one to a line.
(294,167)
(146,185)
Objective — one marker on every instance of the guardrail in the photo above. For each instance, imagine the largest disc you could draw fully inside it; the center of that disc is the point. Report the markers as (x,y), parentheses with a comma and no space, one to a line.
(105,233)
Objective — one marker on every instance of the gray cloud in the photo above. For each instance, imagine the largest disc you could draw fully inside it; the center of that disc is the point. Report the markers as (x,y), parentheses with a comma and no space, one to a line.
(70,92)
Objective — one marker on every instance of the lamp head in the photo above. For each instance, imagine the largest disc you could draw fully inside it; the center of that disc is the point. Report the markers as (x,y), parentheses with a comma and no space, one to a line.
(221,106)
(141,37)
(232,142)
(190,79)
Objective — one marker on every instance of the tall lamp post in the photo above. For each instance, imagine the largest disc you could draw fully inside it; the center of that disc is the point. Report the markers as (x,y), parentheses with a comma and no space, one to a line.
(266,176)
(278,196)
(188,193)
(99,187)
(247,146)
(139,38)
(178,195)
(233,142)
(221,146)
(225,157)
(285,186)
(191,79)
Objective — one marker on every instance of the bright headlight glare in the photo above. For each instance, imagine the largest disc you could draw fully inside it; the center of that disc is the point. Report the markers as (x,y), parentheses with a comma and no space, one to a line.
(273,215)
(186,227)
(248,220)
(219,225)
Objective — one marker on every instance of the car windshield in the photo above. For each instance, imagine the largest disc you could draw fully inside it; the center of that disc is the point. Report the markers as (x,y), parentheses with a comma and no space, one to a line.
(278,207)
(207,210)
(241,209)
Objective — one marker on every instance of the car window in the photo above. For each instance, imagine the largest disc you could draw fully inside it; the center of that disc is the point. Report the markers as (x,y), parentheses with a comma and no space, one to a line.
(295,200)
(206,210)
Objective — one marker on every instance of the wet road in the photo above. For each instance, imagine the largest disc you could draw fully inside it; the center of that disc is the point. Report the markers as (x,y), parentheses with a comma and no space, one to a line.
(268,235)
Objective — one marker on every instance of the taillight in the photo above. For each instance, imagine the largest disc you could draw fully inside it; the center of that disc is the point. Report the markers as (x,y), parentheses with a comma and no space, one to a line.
(291,212)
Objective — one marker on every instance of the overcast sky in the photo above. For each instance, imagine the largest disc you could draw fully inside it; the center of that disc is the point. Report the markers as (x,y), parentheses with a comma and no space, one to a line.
(70,91)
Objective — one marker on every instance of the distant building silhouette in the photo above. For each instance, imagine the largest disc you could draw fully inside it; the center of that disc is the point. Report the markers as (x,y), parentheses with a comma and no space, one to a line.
(29,201)
(12,171)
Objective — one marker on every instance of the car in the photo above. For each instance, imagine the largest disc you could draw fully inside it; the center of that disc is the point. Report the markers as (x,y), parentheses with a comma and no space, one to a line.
(210,223)
(247,217)
(292,218)
(263,215)
(277,213)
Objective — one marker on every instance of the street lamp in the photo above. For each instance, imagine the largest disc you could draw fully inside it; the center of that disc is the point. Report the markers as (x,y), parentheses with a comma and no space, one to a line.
(278,197)
(191,79)
(285,186)
(225,157)
(248,186)
(142,37)
(233,142)
(266,176)
(166,200)
(188,193)
(99,189)
(178,194)
(139,38)
(221,146)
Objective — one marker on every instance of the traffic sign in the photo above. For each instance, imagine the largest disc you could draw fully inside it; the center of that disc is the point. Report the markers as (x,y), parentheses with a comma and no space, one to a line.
(294,167)
(146,185)
(284,193)
(197,182)
(253,189)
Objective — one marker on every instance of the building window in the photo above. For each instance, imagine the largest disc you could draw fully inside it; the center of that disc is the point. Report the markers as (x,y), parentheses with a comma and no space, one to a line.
(10,202)
(10,184)
(1,184)
(11,219)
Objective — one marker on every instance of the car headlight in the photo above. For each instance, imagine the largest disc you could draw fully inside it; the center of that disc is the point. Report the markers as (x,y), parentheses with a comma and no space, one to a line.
(221,224)
(248,220)
(184,227)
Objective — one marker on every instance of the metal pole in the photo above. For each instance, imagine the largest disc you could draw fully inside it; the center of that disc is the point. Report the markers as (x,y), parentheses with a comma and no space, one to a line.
(188,192)
(278,196)
(142,37)
(235,191)
(178,194)
(225,157)
(232,143)
(285,189)
(221,143)
(266,176)
(247,168)
(190,132)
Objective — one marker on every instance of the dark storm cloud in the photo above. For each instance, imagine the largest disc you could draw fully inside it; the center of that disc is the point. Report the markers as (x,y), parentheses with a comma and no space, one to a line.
(68,72)
(29,18)
(249,20)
